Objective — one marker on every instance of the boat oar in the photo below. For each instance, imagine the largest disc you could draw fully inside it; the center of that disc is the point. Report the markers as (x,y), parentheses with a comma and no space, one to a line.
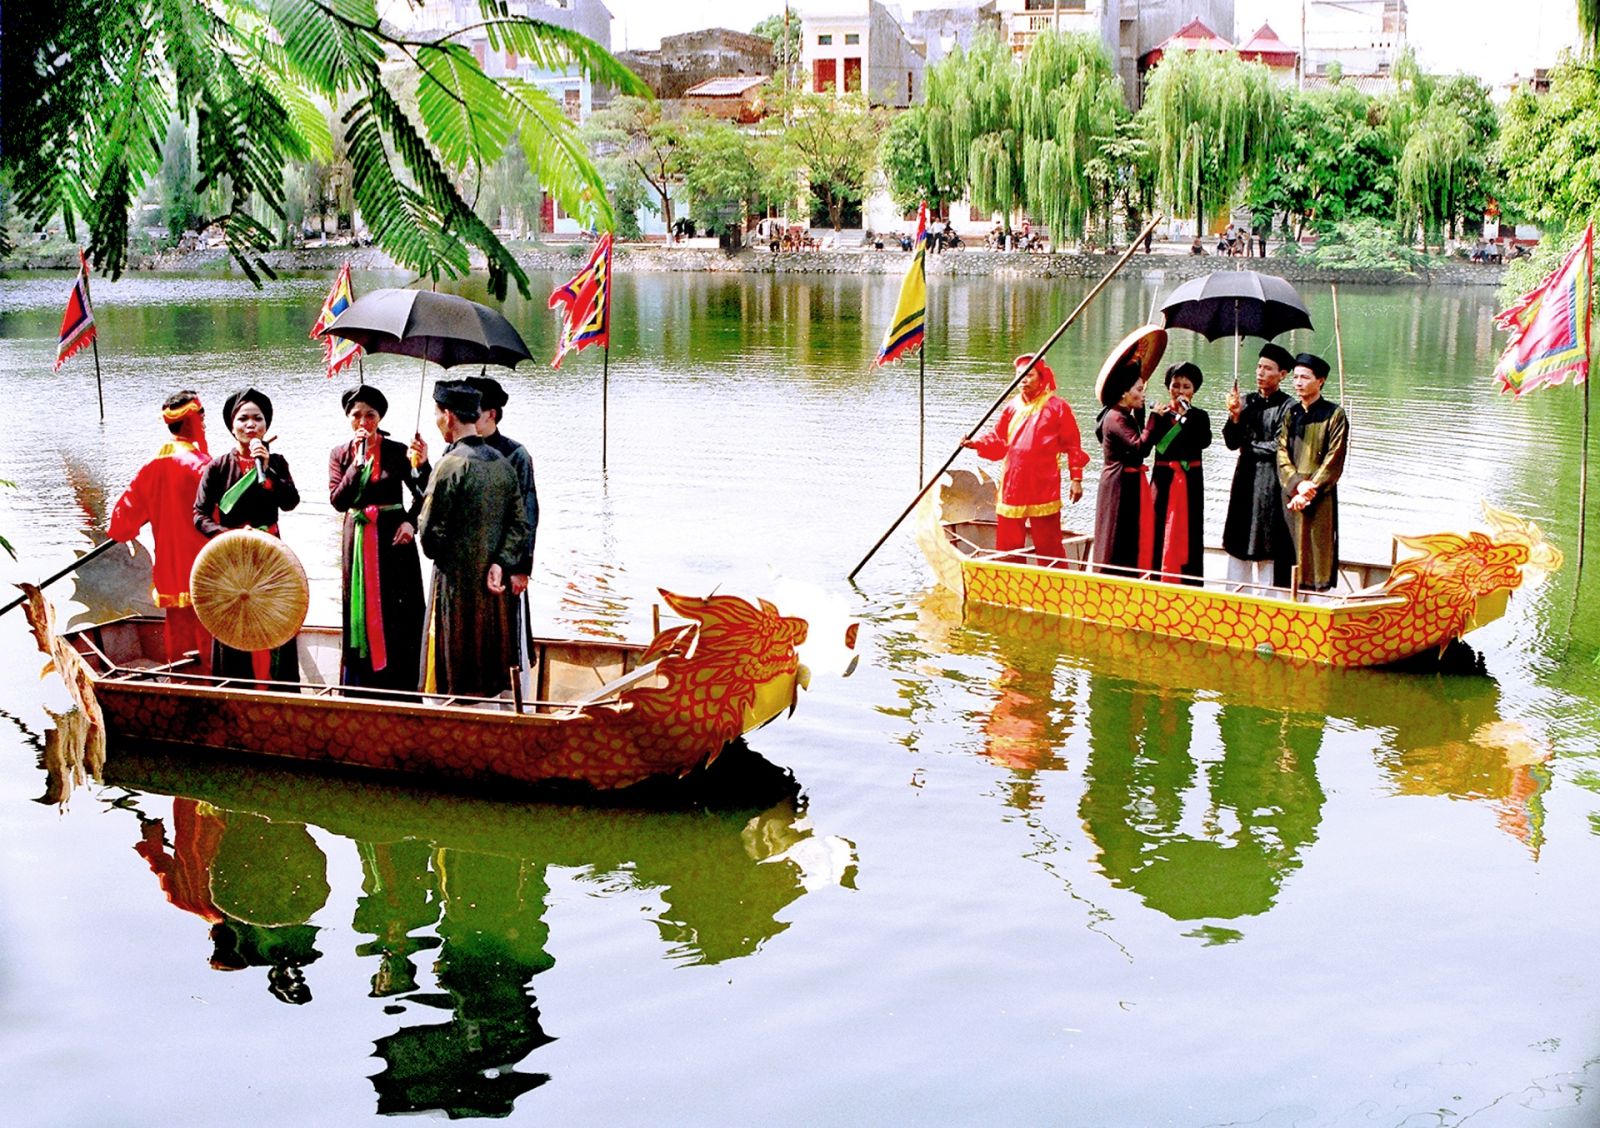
(97,550)
(1010,388)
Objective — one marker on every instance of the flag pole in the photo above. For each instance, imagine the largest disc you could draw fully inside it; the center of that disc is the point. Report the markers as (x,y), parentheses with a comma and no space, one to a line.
(1338,342)
(922,404)
(605,402)
(94,342)
(1010,388)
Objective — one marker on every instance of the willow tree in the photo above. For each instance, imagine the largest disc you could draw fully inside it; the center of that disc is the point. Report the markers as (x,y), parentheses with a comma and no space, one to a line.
(90,86)
(1211,120)
(1589,25)
(1068,100)
(1444,132)
(970,126)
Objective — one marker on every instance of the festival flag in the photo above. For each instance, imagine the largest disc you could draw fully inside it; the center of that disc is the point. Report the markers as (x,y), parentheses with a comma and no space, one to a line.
(586,302)
(911,311)
(339,351)
(1549,326)
(77,325)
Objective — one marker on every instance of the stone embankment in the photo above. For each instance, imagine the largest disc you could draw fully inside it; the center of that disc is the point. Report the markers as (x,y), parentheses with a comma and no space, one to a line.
(964,263)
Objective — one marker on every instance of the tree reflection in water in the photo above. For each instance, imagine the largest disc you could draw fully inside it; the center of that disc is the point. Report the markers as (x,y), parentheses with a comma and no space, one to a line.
(1209,825)
(467,879)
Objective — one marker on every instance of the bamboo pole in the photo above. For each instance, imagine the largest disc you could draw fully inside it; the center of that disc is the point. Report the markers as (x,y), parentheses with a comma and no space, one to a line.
(1010,388)
(605,401)
(1338,341)
(98,550)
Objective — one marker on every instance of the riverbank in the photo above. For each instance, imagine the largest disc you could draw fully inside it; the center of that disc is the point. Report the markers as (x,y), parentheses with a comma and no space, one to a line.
(1173,263)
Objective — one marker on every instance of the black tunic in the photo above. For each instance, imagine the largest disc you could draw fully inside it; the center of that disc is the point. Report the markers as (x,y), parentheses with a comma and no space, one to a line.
(1255,528)
(257,508)
(399,571)
(1182,456)
(1126,437)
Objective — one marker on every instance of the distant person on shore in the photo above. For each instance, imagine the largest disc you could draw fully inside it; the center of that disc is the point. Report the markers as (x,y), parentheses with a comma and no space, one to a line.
(1254,535)
(1034,432)
(1196,248)
(161,495)
(1312,445)
(1182,432)
(473,529)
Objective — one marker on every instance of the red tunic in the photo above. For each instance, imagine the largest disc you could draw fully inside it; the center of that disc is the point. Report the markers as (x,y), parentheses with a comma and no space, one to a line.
(1032,437)
(162,496)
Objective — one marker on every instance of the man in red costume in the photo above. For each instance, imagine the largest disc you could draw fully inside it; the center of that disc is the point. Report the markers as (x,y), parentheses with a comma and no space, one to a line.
(1034,431)
(162,496)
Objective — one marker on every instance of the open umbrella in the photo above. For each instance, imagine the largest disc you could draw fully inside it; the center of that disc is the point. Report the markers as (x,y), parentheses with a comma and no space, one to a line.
(444,328)
(1235,303)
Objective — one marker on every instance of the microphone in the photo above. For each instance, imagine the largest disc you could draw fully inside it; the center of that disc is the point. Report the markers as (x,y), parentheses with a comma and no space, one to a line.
(1183,405)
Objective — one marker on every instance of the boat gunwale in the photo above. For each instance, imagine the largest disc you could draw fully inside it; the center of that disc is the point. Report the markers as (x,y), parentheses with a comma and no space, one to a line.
(119,678)
(1356,602)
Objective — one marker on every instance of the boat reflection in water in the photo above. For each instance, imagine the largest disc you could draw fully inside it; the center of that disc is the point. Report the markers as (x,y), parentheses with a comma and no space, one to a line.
(466,880)
(1200,788)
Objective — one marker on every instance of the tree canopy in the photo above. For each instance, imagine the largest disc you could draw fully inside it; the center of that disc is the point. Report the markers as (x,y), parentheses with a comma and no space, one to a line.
(1212,120)
(91,86)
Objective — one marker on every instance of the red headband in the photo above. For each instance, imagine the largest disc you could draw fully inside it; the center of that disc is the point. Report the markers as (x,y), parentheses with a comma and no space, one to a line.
(173,414)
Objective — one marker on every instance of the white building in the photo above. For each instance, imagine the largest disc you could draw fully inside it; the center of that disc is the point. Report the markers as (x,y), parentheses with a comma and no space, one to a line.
(590,18)
(1364,37)
(860,47)
(1130,29)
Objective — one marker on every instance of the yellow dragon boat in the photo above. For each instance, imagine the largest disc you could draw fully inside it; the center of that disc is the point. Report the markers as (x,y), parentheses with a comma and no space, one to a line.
(1377,614)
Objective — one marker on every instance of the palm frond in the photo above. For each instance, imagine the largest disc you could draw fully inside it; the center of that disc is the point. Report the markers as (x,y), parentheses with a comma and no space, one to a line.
(466,113)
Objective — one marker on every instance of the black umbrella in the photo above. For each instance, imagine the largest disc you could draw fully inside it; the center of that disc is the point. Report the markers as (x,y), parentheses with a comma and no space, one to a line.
(444,328)
(1235,303)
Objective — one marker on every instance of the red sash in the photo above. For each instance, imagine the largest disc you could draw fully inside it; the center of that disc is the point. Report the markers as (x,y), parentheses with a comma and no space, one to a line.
(1175,536)
(1147,518)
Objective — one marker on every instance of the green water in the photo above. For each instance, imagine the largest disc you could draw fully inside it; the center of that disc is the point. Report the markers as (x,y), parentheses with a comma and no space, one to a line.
(1025,873)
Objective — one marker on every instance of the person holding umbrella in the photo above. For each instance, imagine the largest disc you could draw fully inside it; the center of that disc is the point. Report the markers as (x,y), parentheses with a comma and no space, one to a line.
(1312,445)
(381,577)
(473,528)
(1124,517)
(1254,534)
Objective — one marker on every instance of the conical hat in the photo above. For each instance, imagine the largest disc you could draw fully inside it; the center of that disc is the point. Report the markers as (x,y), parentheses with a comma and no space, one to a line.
(1145,344)
(249,590)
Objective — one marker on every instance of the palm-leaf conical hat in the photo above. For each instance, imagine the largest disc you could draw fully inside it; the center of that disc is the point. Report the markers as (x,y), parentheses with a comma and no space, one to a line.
(249,590)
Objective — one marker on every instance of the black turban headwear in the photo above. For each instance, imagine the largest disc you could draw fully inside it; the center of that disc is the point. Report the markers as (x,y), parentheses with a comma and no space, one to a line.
(367,394)
(231,405)
(490,393)
(1318,366)
(458,398)
(1279,355)
(1185,368)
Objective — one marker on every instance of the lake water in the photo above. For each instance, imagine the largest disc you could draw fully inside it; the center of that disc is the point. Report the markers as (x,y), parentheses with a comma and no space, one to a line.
(1033,874)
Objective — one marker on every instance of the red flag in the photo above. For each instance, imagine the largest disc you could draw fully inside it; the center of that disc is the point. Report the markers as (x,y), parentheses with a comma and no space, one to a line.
(338,351)
(586,302)
(77,325)
(1549,326)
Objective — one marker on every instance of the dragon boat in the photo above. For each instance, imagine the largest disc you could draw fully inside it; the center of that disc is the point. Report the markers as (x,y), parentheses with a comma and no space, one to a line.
(1376,615)
(602,714)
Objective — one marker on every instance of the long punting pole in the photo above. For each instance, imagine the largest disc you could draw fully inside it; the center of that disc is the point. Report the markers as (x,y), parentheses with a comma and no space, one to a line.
(605,401)
(1010,388)
(98,550)
(1338,341)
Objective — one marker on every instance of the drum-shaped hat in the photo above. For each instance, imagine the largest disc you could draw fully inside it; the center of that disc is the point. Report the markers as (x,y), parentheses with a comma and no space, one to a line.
(249,590)
(1144,346)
